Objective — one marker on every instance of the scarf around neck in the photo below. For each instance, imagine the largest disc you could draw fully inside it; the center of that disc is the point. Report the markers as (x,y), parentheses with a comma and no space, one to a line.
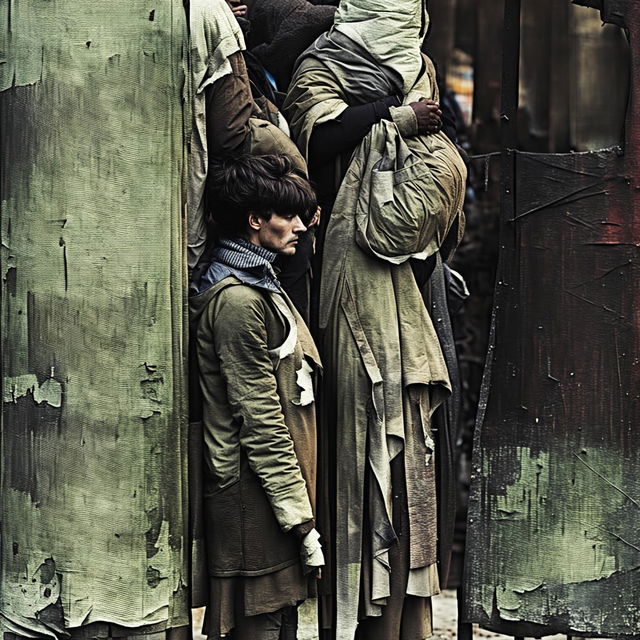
(248,262)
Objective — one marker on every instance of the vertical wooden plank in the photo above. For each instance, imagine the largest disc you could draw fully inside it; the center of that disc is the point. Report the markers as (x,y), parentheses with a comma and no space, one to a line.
(535,65)
(510,74)
(93,417)
(599,81)
(466,30)
(440,44)
(559,70)
(487,75)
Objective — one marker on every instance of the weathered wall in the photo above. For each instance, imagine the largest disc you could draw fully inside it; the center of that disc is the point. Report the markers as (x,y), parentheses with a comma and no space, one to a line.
(93,419)
(598,81)
(553,541)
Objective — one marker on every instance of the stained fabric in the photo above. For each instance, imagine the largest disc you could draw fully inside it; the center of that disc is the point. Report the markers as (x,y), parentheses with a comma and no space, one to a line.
(391,33)
(228,106)
(444,288)
(404,617)
(232,598)
(384,351)
(255,362)
(92,461)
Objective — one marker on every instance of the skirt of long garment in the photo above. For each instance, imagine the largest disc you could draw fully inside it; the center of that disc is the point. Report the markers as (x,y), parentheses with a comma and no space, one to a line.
(404,617)
(234,598)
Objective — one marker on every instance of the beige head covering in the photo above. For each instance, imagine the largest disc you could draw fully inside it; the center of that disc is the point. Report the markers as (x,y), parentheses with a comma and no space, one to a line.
(391,32)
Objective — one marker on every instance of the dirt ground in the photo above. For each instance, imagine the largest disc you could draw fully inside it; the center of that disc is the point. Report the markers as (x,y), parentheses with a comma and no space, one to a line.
(445,617)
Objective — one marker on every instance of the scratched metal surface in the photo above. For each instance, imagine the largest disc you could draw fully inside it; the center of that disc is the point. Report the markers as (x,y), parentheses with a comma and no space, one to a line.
(92,452)
(553,538)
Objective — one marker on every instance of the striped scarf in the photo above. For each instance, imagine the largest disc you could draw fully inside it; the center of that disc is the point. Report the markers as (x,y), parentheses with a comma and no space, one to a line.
(243,255)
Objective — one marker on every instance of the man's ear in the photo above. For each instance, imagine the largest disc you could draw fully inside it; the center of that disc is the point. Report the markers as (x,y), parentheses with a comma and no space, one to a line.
(255,221)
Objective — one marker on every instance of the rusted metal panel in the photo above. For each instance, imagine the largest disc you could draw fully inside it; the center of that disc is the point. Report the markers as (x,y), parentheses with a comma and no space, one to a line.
(553,541)
(555,501)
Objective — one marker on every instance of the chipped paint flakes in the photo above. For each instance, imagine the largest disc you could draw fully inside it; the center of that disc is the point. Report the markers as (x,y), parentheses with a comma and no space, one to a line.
(50,392)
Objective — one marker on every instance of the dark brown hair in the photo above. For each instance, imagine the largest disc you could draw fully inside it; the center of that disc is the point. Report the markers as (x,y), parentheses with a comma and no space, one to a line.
(260,184)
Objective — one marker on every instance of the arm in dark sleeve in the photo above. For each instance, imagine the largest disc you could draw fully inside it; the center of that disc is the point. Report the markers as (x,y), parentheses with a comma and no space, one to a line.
(229,107)
(347,130)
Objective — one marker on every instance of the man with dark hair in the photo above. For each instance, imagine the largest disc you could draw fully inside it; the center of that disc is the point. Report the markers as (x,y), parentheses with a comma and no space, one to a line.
(256,362)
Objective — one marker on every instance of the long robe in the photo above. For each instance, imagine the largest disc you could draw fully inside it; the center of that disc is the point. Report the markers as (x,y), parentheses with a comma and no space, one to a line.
(384,369)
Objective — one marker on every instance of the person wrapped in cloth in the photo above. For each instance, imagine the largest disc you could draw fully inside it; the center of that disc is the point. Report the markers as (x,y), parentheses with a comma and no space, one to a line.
(256,366)
(362,107)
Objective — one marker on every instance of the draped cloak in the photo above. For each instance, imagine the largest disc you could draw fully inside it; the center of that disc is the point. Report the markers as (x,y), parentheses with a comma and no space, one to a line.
(384,369)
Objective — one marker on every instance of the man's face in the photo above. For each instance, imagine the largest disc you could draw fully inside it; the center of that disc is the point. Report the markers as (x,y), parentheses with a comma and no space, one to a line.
(280,233)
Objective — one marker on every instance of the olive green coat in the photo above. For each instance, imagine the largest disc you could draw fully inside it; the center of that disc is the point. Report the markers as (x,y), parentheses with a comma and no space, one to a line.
(256,360)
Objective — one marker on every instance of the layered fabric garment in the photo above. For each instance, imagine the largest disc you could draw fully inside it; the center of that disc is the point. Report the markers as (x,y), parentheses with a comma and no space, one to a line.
(385,374)
(215,36)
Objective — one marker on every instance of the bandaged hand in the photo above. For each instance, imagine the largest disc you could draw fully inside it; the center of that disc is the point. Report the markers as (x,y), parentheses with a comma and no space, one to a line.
(429,116)
(311,554)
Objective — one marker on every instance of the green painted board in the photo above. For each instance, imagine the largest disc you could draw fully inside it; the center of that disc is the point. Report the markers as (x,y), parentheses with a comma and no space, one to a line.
(93,449)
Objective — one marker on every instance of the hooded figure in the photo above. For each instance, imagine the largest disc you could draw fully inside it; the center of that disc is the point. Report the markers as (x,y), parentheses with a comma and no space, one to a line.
(281,30)
(397,211)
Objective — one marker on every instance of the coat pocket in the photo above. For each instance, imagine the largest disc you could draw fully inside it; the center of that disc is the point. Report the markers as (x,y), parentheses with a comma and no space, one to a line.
(242,533)
(223,522)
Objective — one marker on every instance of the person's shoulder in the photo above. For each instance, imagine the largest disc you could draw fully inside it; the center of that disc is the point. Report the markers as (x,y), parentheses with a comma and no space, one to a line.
(312,63)
(241,297)
(239,309)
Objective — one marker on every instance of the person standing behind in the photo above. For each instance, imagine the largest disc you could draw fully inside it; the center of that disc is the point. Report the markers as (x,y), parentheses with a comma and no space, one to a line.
(256,363)
(363,107)
(227,122)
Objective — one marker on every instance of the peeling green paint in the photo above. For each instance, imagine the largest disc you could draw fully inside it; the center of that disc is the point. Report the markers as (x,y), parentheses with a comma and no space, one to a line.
(553,541)
(50,391)
(93,444)
(574,511)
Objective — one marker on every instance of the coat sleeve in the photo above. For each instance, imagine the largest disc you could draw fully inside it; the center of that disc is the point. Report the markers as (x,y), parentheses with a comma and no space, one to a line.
(345,132)
(240,339)
(229,107)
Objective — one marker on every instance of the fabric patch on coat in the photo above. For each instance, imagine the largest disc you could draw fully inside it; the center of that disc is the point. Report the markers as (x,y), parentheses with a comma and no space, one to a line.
(305,382)
(288,346)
